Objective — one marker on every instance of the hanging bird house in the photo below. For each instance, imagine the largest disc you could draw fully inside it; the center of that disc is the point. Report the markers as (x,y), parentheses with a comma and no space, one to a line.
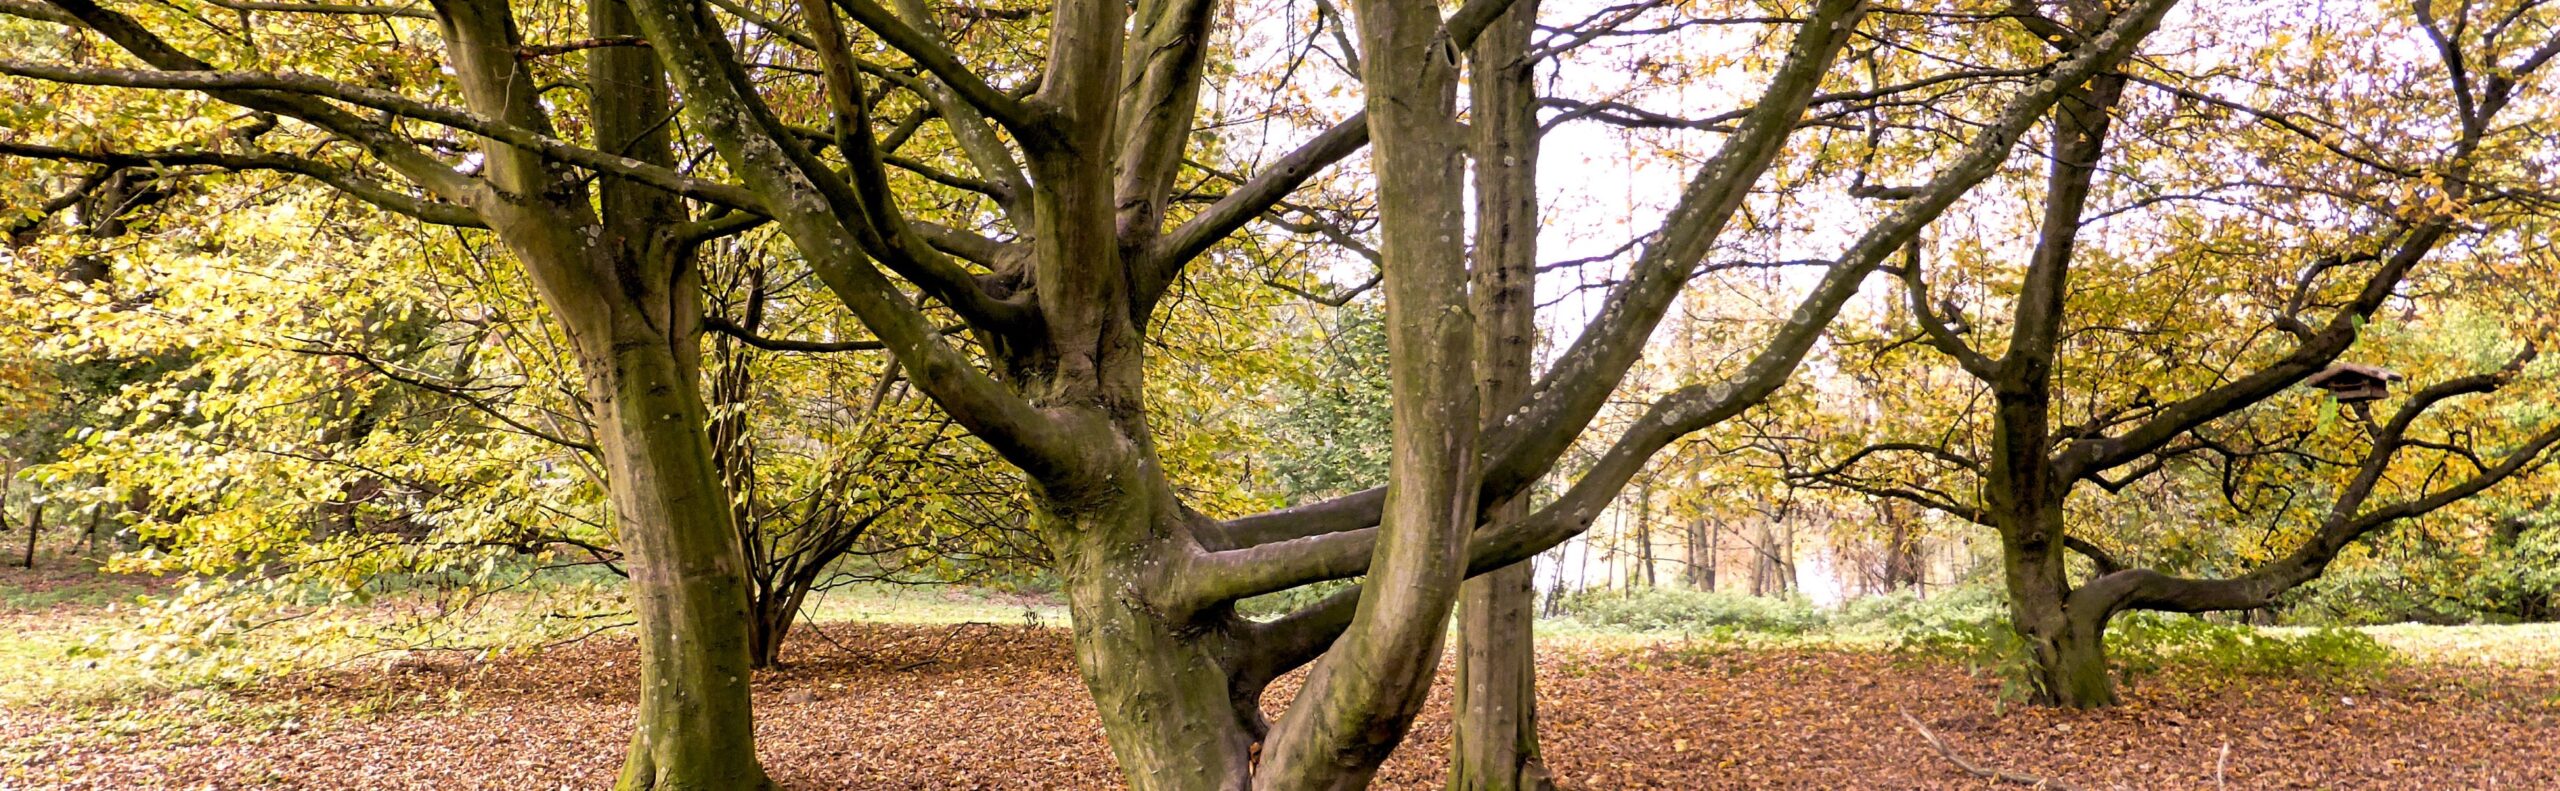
(2354,384)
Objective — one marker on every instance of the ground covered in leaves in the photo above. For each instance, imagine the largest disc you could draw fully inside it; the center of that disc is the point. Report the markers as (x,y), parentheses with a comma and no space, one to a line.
(999,706)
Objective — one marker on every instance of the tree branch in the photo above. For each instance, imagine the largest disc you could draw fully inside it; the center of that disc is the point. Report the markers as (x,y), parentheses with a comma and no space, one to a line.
(1695,407)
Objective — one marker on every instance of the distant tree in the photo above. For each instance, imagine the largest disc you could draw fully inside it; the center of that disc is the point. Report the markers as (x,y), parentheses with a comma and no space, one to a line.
(2148,320)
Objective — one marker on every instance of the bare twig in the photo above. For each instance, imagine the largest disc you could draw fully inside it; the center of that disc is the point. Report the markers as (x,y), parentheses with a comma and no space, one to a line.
(1976,770)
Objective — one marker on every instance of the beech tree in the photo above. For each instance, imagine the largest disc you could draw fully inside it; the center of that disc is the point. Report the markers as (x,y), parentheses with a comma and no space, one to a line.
(610,257)
(2218,314)
(1076,165)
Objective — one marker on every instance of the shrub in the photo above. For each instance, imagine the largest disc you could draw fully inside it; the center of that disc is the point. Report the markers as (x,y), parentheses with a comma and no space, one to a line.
(1906,613)
(1274,605)
(2148,642)
(2142,643)
(1677,610)
(2363,596)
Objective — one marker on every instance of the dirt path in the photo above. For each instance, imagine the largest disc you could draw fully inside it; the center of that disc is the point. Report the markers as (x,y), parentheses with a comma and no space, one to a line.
(876,706)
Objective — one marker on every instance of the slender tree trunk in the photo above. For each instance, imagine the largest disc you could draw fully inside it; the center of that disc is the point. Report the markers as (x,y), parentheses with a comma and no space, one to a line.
(1495,742)
(1903,563)
(8,476)
(1715,554)
(89,540)
(35,525)
(1644,536)
(1360,698)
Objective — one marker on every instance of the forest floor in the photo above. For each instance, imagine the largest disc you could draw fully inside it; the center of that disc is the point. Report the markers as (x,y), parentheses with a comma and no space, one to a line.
(997,704)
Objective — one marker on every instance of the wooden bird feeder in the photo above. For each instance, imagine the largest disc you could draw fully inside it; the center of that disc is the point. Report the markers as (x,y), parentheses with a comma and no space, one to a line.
(2350,383)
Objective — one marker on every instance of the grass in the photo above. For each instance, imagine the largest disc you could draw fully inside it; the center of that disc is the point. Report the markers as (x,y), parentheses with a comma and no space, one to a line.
(48,615)
(2510,645)
(914,604)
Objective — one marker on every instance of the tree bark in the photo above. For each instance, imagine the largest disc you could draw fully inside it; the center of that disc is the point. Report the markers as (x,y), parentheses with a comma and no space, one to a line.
(628,295)
(1362,695)
(695,727)
(1494,743)
(1176,713)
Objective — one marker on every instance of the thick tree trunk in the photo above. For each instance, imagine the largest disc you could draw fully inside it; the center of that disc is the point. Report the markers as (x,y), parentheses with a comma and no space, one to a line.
(2026,491)
(1163,690)
(695,729)
(2072,669)
(1360,698)
(629,297)
(2067,647)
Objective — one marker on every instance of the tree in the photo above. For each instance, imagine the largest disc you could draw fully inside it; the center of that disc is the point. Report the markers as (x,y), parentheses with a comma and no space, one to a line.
(612,261)
(1078,164)
(2066,404)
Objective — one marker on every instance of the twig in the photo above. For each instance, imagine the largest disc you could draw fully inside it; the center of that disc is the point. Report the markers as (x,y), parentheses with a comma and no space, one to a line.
(2221,762)
(947,637)
(1979,771)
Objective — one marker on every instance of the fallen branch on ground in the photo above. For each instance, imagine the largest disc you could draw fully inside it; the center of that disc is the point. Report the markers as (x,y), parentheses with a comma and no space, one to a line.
(1977,770)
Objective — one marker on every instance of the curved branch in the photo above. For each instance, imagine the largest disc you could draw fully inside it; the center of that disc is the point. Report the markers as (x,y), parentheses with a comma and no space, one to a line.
(354,184)
(1044,446)
(1163,260)
(246,85)
(1021,118)
(1696,407)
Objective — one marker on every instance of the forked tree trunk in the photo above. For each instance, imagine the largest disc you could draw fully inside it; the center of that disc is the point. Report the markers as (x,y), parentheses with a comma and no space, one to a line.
(1163,690)
(628,294)
(2066,647)
(772,619)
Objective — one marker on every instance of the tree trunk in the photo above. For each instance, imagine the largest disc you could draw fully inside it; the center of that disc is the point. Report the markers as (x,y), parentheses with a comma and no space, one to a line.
(2073,670)
(1644,537)
(2067,647)
(1715,554)
(1360,698)
(628,295)
(695,728)
(1494,743)
(1496,740)
(774,615)
(7,477)
(1903,565)
(2026,491)
(1163,690)
(35,526)
(89,540)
